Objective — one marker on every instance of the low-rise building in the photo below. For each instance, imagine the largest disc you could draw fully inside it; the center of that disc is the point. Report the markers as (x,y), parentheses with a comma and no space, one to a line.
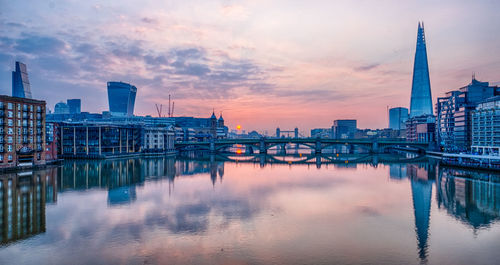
(99,140)
(158,139)
(421,129)
(22,132)
(486,127)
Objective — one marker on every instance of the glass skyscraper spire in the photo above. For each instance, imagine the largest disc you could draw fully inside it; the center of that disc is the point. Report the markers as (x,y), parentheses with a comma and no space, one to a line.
(421,100)
(20,83)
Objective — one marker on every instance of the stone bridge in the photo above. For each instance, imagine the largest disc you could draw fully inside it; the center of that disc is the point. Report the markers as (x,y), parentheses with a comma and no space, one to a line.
(316,144)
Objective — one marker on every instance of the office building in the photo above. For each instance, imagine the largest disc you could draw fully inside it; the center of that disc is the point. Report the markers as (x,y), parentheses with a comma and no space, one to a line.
(454,124)
(321,133)
(121,98)
(20,82)
(344,129)
(22,130)
(75,106)
(421,99)
(486,127)
(397,118)
(51,141)
(99,139)
(421,129)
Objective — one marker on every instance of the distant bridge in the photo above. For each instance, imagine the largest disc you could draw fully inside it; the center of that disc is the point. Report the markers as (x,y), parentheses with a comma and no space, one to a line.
(316,144)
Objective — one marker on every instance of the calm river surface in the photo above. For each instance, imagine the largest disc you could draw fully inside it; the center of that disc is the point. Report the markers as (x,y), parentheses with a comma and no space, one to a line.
(167,211)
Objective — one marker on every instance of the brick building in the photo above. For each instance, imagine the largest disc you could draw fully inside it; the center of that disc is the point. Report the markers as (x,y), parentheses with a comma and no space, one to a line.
(22,132)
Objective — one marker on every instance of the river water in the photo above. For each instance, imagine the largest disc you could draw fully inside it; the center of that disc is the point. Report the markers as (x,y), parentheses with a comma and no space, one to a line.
(168,211)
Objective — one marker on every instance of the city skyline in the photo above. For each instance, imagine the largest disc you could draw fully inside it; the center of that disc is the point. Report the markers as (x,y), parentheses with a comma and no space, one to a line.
(256,63)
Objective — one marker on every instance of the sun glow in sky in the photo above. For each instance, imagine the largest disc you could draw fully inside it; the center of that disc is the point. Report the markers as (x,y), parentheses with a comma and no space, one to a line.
(265,64)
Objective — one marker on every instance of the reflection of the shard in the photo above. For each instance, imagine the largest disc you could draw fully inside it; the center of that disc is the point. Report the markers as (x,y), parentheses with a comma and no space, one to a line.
(421,177)
(22,206)
(469,196)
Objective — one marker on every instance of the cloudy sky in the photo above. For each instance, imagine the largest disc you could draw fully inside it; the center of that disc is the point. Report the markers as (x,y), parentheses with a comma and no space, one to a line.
(262,63)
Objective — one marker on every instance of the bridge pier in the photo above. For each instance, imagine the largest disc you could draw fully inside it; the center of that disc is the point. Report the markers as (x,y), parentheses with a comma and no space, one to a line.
(375,149)
(318,148)
(212,146)
(249,149)
(262,146)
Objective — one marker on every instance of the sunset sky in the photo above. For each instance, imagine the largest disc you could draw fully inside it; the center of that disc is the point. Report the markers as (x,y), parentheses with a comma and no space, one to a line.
(264,64)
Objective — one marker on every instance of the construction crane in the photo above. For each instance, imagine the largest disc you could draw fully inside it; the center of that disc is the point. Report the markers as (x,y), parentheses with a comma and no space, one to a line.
(159,109)
(171,105)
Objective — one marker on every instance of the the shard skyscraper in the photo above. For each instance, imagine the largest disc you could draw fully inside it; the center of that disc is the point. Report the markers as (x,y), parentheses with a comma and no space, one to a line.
(421,100)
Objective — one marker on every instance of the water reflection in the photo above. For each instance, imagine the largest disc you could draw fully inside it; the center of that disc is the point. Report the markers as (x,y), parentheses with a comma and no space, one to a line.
(422,177)
(471,197)
(22,209)
(328,210)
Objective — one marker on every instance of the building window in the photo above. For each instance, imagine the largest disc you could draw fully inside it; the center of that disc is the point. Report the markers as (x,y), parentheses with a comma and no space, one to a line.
(9,139)
(18,114)
(9,105)
(10,114)
(10,158)
(10,122)
(9,149)
(10,131)
(31,107)
(19,123)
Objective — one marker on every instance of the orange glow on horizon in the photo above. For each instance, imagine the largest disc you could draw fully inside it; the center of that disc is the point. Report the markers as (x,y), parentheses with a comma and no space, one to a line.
(238,127)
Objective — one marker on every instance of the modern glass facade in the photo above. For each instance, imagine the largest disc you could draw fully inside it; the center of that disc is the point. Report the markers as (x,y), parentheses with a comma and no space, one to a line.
(121,98)
(84,140)
(454,120)
(75,106)
(20,82)
(344,129)
(421,98)
(397,118)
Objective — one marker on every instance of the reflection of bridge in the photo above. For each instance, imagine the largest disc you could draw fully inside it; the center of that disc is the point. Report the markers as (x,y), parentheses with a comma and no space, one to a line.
(317,159)
(315,144)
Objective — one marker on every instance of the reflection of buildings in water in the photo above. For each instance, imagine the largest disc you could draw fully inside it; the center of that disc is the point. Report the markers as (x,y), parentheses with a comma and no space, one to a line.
(397,171)
(84,174)
(23,198)
(122,195)
(421,177)
(468,197)
(190,167)
(421,191)
(119,176)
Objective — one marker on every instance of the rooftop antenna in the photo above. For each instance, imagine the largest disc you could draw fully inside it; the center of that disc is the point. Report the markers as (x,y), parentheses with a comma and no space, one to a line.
(172,112)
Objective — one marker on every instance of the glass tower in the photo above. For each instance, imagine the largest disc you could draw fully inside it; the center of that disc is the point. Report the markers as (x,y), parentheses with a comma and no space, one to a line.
(121,97)
(75,106)
(421,99)
(20,83)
